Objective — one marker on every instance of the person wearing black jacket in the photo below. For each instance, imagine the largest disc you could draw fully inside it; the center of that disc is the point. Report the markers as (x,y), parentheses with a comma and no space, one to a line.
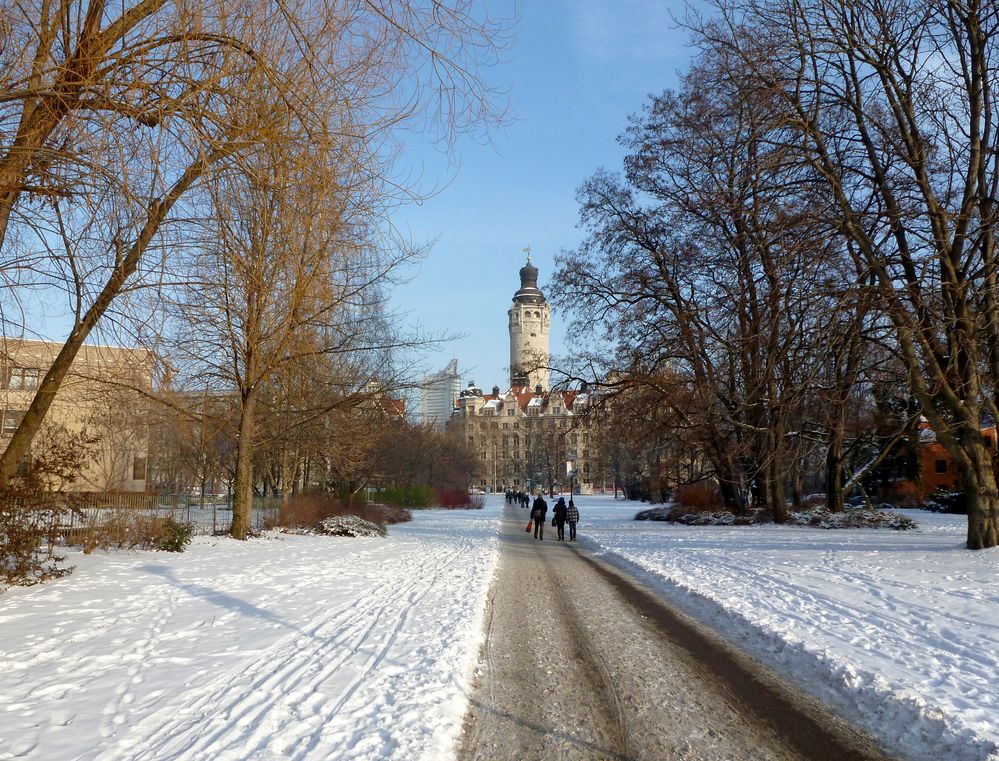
(560,513)
(539,510)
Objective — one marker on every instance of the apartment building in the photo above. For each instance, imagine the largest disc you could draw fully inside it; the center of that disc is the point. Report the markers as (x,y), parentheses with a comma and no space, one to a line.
(104,396)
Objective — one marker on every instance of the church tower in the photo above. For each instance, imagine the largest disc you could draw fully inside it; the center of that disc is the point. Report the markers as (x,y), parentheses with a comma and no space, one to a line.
(530,323)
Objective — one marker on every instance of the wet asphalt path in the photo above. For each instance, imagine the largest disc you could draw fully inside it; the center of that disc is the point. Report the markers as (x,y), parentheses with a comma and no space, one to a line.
(581,663)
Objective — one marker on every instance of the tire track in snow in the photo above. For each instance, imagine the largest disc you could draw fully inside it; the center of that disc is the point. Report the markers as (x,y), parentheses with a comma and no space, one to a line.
(450,558)
(246,718)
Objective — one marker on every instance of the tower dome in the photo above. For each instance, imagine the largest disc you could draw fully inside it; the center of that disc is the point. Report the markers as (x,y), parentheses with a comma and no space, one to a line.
(529,293)
(528,275)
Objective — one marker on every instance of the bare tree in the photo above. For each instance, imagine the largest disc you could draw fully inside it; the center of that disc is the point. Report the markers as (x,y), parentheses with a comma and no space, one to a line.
(113,118)
(892,106)
(704,261)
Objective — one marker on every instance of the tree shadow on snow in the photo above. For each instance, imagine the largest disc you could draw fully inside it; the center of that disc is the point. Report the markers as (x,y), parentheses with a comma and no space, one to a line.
(222,599)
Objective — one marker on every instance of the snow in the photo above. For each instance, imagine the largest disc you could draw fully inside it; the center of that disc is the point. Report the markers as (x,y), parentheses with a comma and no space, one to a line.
(298,647)
(314,647)
(897,631)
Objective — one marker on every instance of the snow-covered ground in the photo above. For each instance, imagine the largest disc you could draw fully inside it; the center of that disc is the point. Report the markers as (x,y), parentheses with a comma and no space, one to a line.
(292,647)
(317,647)
(897,630)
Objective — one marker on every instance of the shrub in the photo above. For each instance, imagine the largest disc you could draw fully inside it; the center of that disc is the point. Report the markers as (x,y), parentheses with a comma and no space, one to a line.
(174,536)
(418,495)
(699,497)
(307,510)
(459,499)
(30,530)
(127,528)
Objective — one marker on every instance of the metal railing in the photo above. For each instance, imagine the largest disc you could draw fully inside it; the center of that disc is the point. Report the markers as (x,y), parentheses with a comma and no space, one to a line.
(78,512)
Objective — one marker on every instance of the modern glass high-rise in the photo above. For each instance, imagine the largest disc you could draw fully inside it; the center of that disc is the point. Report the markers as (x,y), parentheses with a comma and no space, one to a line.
(438,395)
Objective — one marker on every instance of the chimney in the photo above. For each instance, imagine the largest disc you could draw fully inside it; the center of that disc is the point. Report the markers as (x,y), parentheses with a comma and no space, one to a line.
(495,390)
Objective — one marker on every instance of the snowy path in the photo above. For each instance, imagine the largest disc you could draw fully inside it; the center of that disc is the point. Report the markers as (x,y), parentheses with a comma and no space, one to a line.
(286,647)
(898,631)
(580,665)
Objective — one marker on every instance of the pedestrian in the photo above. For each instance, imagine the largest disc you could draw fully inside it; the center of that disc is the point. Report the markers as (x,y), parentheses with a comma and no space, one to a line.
(539,511)
(572,515)
(558,520)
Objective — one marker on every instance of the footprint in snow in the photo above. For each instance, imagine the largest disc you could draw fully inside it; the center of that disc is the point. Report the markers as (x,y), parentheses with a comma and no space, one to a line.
(61,718)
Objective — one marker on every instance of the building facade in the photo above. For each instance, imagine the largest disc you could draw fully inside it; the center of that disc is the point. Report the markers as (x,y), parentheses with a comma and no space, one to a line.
(104,396)
(438,395)
(529,437)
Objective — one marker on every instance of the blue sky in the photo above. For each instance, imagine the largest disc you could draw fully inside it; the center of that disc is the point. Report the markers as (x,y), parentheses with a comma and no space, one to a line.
(575,71)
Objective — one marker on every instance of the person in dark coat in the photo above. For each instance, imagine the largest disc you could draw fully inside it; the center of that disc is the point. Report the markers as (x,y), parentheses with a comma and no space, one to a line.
(572,515)
(539,511)
(560,512)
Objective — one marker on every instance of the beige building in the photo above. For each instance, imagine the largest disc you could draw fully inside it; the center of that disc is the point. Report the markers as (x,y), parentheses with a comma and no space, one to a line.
(102,398)
(529,437)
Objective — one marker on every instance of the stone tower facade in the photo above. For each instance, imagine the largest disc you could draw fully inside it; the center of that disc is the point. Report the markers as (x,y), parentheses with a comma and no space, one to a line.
(530,324)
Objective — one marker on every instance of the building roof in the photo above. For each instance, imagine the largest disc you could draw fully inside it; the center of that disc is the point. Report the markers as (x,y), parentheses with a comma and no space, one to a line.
(529,292)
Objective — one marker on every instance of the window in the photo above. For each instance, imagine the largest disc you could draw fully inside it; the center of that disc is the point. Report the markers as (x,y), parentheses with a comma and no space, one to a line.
(23,378)
(509,412)
(941,466)
(11,420)
(138,468)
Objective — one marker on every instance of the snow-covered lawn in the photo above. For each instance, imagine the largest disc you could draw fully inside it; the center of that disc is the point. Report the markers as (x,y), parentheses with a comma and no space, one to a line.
(318,648)
(898,630)
(292,647)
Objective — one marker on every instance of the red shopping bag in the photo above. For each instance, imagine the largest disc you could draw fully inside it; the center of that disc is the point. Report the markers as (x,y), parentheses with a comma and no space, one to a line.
(530,525)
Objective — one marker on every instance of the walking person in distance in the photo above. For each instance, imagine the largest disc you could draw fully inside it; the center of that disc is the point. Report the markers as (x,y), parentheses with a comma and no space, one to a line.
(560,513)
(538,512)
(572,515)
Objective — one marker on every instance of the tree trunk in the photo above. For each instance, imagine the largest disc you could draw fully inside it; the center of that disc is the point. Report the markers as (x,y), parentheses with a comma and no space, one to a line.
(728,482)
(978,482)
(796,498)
(242,503)
(835,498)
(20,444)
(776,499)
